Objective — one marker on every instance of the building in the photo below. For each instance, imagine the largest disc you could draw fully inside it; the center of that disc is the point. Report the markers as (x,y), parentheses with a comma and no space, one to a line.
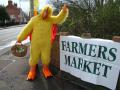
(16,14)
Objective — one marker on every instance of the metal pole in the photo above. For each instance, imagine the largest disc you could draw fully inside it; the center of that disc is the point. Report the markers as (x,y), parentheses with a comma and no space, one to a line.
(31,8)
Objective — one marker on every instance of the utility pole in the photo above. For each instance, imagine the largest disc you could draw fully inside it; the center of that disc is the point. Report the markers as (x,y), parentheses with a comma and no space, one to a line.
(31,8)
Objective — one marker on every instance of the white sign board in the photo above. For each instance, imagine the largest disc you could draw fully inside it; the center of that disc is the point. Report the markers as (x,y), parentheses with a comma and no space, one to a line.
(93,60)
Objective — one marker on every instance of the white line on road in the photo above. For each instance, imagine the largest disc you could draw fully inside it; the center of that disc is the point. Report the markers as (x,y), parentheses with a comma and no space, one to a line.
(9,35)
(7,31)
(8,39)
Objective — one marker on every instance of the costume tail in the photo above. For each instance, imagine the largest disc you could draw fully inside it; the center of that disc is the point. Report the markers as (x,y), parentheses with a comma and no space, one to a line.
(54,32)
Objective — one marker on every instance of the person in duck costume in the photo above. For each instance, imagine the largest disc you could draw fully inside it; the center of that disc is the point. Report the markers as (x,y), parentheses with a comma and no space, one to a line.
(41,38)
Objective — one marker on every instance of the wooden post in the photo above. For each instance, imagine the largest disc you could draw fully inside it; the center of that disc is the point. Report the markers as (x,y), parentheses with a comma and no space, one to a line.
(86,35)
(55,53)
(116,38)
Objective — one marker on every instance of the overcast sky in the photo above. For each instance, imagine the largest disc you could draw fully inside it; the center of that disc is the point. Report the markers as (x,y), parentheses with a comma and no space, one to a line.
(24,4)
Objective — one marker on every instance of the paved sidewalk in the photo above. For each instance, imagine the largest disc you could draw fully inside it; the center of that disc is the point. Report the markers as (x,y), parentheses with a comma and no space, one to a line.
(13,71)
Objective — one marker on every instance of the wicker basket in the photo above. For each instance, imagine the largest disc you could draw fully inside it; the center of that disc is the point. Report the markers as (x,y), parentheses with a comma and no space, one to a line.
(19,50)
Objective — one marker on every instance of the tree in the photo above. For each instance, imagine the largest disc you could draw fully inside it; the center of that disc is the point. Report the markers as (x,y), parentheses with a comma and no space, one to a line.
(3,15)
(108,19)
(99,17)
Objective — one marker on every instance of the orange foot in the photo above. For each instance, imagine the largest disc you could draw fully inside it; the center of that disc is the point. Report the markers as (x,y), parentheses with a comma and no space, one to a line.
(31,75)
(47,72)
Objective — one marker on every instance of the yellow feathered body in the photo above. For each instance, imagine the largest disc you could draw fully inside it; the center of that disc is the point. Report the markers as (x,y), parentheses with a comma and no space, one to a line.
(41,35)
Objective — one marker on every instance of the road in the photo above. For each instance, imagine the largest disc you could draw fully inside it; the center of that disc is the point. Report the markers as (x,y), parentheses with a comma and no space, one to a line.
(9,34)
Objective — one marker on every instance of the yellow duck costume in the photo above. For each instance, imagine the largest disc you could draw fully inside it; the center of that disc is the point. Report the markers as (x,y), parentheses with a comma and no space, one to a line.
(40,28)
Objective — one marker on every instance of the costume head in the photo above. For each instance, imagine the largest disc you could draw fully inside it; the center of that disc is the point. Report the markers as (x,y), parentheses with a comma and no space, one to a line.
(46,12)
